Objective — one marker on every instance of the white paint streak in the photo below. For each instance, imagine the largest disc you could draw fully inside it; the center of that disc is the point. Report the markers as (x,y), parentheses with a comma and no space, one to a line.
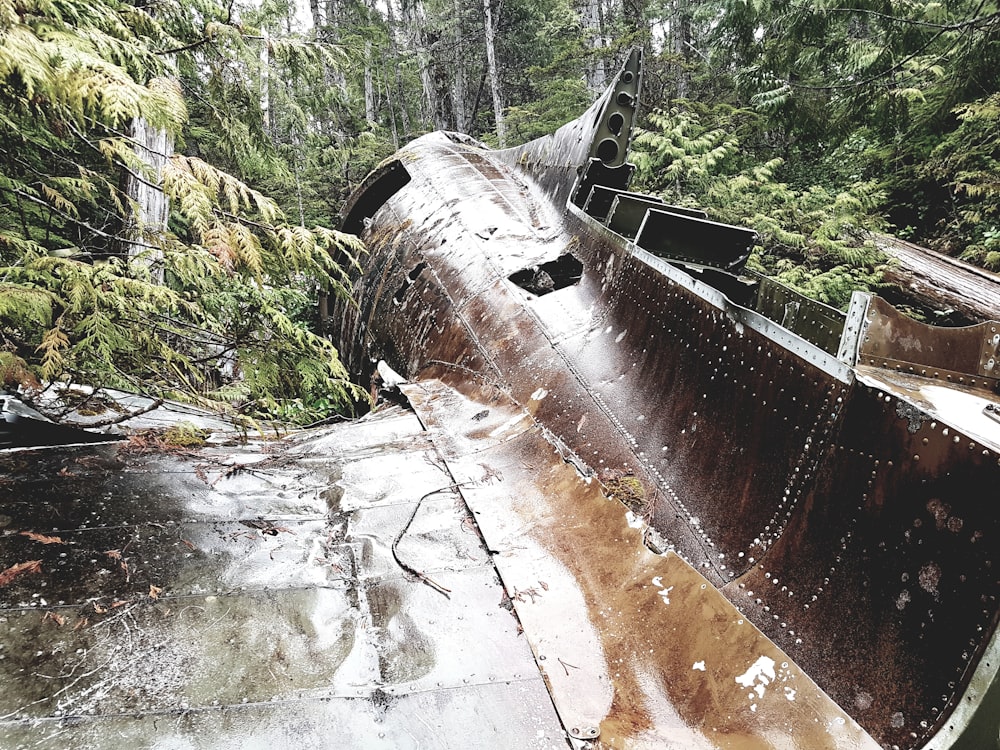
(507,425)
(699,665)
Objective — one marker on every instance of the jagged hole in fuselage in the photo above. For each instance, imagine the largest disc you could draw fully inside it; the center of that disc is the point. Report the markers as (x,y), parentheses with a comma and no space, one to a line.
(557,274)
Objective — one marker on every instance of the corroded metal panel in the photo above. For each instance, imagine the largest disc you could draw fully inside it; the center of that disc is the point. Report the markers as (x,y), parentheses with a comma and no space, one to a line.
(893,546)
(814,321)
(638,650)
(961,356)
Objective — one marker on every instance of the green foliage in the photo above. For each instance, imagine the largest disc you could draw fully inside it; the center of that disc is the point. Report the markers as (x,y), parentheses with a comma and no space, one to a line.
(682,155)
(73,304)
(832,286)
(547,88)
(891,92)
(967,161)
(694,158)
(559,101)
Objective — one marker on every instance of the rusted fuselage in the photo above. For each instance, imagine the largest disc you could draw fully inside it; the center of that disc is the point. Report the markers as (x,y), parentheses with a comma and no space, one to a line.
(834,476)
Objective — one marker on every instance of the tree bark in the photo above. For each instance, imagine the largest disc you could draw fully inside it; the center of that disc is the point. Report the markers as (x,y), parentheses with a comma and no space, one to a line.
(459,93)
(634,15)
(591,16)
(265,81)
(680,33)
(394,50)
(940,282)
(369,85)
(317,16)
(423,43)
(491,61)
(149,222)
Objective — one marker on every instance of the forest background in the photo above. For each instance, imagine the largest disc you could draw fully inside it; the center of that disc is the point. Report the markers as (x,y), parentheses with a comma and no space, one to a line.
(171,171)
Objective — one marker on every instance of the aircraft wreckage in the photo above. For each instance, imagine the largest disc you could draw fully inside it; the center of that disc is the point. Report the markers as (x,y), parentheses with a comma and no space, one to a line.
(803,550)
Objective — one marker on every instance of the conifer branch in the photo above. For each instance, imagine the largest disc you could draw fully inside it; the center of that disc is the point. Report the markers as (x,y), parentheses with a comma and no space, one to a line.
(973,22)
(81,224)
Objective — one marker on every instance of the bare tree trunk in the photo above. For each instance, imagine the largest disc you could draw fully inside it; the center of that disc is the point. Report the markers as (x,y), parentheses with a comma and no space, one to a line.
(149,222)
(459,93)
(680,33)
(400,91)
(392,112)
(491,61)
(591,16)
(422,43)
(265,81)
(634,15)
(369,85)
(331,33)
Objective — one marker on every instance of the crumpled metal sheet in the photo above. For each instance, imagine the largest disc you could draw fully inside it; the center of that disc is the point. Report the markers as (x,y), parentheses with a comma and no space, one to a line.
(248,595)
(638,650)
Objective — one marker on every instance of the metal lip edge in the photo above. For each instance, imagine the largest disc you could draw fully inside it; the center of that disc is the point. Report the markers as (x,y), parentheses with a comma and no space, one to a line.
(754,320)
(111,440)
(971,709)
(792,342)
(871,379)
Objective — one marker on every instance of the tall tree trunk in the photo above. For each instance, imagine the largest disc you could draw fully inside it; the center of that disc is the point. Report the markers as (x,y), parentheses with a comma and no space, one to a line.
(317,16)
(459,94)
(369,85)
(491,61)
(265,81)
(392,112)
(634,15)
(444,113)
(680,33)
(393,48)
(423,42)
(149,222)
(591,16)
(330,33)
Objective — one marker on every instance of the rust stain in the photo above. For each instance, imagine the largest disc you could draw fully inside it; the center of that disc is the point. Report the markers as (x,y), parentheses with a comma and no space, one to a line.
(669,650)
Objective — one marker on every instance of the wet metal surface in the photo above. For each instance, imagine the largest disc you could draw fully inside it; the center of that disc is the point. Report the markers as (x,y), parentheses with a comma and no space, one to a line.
(831,475)
(638,650)
(251,596)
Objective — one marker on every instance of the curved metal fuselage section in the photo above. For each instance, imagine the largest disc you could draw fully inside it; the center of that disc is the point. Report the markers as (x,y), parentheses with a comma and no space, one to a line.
(846,508)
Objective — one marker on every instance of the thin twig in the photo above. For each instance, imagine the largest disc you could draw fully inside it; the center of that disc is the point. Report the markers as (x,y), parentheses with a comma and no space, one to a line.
(409,568)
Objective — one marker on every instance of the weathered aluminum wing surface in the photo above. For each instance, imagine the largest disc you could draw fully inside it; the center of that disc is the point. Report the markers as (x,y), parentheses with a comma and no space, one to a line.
(252,596)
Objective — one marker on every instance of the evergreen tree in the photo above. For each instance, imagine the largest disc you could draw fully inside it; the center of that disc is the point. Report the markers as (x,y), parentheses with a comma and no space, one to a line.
(73,76)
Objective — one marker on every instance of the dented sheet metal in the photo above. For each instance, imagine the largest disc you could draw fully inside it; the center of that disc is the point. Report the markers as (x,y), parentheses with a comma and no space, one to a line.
(254,596)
